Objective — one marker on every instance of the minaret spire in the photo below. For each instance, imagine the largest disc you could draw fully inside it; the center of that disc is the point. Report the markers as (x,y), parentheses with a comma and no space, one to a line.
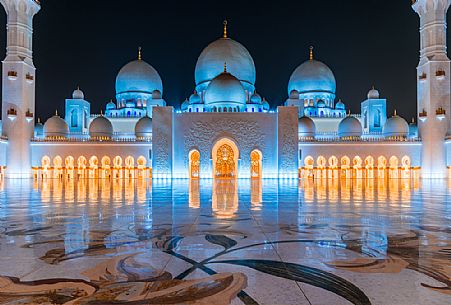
(225,29)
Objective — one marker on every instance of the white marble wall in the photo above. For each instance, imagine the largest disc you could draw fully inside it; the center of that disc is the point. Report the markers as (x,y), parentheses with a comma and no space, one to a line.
(288,141)
(248,131)
(162,142)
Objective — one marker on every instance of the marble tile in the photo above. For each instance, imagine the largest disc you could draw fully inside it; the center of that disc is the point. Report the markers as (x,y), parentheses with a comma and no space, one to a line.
(283,243)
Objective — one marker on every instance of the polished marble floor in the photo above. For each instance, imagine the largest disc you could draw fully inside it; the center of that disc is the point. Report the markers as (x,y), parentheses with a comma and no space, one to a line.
(247,242)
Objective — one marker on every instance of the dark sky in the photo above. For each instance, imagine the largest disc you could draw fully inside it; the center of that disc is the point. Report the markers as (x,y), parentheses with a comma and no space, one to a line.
(86,42)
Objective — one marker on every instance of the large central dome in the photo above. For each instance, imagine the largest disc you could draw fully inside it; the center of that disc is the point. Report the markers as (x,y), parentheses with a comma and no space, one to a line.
(225,50)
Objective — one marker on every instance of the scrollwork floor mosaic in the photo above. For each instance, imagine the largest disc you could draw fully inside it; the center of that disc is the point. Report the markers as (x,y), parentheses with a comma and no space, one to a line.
(225,242)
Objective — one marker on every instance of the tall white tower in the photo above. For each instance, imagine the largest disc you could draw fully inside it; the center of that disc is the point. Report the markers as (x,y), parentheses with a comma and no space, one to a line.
(18,103)
(434,88)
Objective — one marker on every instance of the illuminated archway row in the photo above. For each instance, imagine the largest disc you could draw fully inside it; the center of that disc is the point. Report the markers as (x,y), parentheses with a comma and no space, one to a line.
(358,168)
(225,162)
(92,168)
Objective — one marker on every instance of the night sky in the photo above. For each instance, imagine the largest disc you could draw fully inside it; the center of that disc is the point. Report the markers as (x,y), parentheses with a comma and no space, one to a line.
(86,42)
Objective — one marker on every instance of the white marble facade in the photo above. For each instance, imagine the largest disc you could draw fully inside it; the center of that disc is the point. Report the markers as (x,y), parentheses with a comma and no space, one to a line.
(307,134)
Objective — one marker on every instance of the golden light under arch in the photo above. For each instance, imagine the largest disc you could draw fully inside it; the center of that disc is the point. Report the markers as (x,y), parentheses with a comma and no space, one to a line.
(225,155)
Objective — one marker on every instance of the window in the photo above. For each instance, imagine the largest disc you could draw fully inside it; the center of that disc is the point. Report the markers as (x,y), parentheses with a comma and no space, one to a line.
(74,118)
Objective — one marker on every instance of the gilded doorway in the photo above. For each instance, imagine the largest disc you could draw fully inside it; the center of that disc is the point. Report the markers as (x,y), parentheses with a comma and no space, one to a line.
(225,156)
(225,162)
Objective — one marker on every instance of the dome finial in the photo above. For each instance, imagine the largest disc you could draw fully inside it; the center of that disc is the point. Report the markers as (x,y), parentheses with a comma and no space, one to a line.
(413,120)
(39,120)
(139,53)
(225,67)
(101,112)
(311,52)
(396,113)
(225,28)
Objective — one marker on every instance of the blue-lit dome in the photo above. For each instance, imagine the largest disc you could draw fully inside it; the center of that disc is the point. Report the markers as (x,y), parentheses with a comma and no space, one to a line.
(138,77)
(101,127)
(350,127)
(340,105)
(256,98)
(307,127)
(312,77)
(225,89)
(185,105)
(39,129)
(195,98)
(225,50)
(143,128)
(110,106)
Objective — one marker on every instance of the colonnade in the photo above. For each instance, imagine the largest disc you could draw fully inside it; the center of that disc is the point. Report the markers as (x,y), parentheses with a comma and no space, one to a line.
(358,168)
(93,168)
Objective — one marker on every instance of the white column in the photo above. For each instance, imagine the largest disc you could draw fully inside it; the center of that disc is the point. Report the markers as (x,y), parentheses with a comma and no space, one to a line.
(434,92)
(19,86)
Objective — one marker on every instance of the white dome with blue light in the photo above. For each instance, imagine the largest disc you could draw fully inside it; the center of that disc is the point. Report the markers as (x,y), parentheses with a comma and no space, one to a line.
(239,62)
(56,127)
(396,126)
(143,128)
(312,76)
(307,127)
(350,127)
(101,127)
(138,77)
(225,90)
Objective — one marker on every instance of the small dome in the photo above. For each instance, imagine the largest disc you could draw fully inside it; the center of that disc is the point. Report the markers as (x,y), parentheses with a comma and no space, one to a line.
(56,127)
(39,129)
(138,77)
(143,128)
(294,95)
(185,105)
(226,89)
(156,95)
(373,94)
(350,127)
(111,105)
(340,105)
(195,98)
(78,94)
(307,127)
(256,98)
(101,127)
(312,76)
(266,105)
(239,61)
(321,104)
(396,126)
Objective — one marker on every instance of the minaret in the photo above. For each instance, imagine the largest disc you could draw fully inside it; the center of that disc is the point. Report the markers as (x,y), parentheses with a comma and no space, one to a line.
(18,103)
(434,96)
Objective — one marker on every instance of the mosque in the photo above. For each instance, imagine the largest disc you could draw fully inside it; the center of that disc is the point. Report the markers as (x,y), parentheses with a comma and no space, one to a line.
(226,129)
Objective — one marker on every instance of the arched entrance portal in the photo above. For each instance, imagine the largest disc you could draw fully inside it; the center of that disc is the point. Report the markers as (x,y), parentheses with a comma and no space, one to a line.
(225,160)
